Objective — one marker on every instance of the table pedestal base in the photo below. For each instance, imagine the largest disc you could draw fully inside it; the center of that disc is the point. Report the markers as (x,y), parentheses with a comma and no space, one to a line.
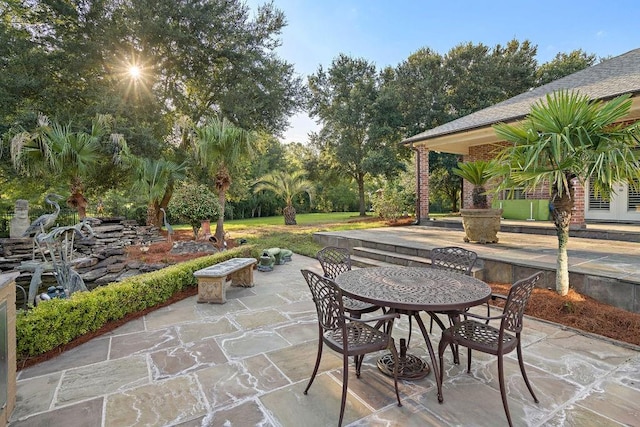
(410,367)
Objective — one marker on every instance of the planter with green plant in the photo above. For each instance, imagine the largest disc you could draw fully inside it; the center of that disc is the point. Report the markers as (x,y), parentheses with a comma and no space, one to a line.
(481,224)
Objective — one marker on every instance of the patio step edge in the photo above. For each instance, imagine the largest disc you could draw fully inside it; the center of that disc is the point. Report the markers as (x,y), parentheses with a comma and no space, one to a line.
(364,262)
(391,257)
(368,257)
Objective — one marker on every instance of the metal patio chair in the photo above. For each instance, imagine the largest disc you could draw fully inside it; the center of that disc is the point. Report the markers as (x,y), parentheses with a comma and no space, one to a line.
(335,261)
(346,335)
(481,336)
(454,259)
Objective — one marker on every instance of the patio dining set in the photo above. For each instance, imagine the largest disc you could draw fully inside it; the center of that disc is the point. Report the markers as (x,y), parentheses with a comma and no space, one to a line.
(343,296)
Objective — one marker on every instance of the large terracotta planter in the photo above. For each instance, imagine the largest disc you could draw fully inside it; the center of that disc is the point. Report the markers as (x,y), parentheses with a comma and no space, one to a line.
(481,225)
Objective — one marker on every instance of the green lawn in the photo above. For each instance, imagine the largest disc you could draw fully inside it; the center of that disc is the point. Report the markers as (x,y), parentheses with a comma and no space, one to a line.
(334,218)
(302,219)
(268,232)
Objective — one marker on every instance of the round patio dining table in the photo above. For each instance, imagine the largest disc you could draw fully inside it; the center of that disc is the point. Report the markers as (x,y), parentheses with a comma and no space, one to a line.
(409,290)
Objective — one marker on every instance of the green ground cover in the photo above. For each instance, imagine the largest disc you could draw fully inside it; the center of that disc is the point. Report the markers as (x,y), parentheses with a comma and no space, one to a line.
(271,231)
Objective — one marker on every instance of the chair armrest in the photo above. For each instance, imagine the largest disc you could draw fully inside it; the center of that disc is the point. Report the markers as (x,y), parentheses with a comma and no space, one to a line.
(498,296)
(384,317)
(486,318)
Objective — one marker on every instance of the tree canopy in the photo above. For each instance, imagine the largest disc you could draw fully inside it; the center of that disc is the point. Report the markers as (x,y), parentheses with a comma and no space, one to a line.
(71,60)
(216,58)
(347,100)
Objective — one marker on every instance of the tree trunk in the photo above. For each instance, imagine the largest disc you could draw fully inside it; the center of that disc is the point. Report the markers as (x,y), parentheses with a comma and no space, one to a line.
(562,268)
(454,201)
(222,198)
(154,215)
(289,215)
(77,200)
(363,207)
(561,208)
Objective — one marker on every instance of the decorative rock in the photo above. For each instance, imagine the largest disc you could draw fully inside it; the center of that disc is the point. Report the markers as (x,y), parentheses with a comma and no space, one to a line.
(116,268)
(104,229)
(113,251)
(99,260)
(190,247)
(130,272)
(111,260)
(85,262)
(152,267)
(134,265)
(106,279)
(93,275)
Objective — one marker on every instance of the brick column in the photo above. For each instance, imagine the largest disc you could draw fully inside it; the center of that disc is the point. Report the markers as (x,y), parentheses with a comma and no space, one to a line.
(577,215)
(422,183)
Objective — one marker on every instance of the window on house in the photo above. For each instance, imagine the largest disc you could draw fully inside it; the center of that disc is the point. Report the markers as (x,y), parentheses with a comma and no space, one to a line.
(515,194)
(597,203)
(633,201)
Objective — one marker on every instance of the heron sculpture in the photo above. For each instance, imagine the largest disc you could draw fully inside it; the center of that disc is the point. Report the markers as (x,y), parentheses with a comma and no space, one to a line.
(167,225)
(44,222)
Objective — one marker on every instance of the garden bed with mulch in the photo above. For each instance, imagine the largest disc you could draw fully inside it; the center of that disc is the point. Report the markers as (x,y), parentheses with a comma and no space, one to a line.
(580,312)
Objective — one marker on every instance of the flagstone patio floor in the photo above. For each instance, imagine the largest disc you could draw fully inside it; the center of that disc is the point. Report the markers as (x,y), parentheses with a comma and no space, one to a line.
(248,361)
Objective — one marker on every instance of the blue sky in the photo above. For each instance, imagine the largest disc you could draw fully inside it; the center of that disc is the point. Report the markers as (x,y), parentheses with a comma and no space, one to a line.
(387,32)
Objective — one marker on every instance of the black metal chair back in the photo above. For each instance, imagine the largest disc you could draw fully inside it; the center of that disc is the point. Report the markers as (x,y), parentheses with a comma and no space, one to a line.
(453,258)
(334,261)
(481,336)
(350,337)
(328,300)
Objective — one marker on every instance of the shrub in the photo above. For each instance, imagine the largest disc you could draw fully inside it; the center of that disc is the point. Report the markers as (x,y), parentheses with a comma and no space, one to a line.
(60,321)
(194,203)
(392,202)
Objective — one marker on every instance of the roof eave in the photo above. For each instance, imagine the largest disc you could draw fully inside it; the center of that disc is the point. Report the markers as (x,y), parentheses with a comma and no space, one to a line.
(458,142)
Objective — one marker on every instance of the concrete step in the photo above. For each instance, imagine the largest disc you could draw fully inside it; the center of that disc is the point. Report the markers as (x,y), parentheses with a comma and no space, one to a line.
(391,256)
(369,257)
(364,262)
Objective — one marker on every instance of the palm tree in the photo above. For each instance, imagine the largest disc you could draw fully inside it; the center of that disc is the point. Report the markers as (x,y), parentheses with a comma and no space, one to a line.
(220,147)
(287,186)
(54,149)
(566,139)
(478,173)
(156,178)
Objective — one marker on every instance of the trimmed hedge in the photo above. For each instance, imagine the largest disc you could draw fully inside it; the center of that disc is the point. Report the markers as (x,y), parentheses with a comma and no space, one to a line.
(59,321)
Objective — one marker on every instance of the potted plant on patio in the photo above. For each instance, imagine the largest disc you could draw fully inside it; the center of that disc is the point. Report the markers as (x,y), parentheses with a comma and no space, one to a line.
(481,223)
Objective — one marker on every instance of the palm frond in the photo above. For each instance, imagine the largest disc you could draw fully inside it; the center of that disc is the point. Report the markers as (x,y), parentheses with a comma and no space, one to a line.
(567,135)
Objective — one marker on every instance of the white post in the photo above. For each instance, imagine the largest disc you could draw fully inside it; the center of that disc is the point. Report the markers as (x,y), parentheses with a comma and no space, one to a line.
(531,218)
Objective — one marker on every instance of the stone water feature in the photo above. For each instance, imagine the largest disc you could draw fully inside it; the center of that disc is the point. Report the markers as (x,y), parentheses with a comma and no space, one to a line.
(98,259)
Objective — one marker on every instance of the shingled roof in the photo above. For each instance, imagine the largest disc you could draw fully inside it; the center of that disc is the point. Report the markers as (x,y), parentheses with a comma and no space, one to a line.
(608,79)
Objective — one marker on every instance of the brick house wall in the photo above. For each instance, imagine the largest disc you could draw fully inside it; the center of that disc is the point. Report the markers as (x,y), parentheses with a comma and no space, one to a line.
(579,206)
(486,152)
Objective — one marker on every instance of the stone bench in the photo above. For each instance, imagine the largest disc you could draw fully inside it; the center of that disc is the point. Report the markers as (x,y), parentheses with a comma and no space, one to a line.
(212,280)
